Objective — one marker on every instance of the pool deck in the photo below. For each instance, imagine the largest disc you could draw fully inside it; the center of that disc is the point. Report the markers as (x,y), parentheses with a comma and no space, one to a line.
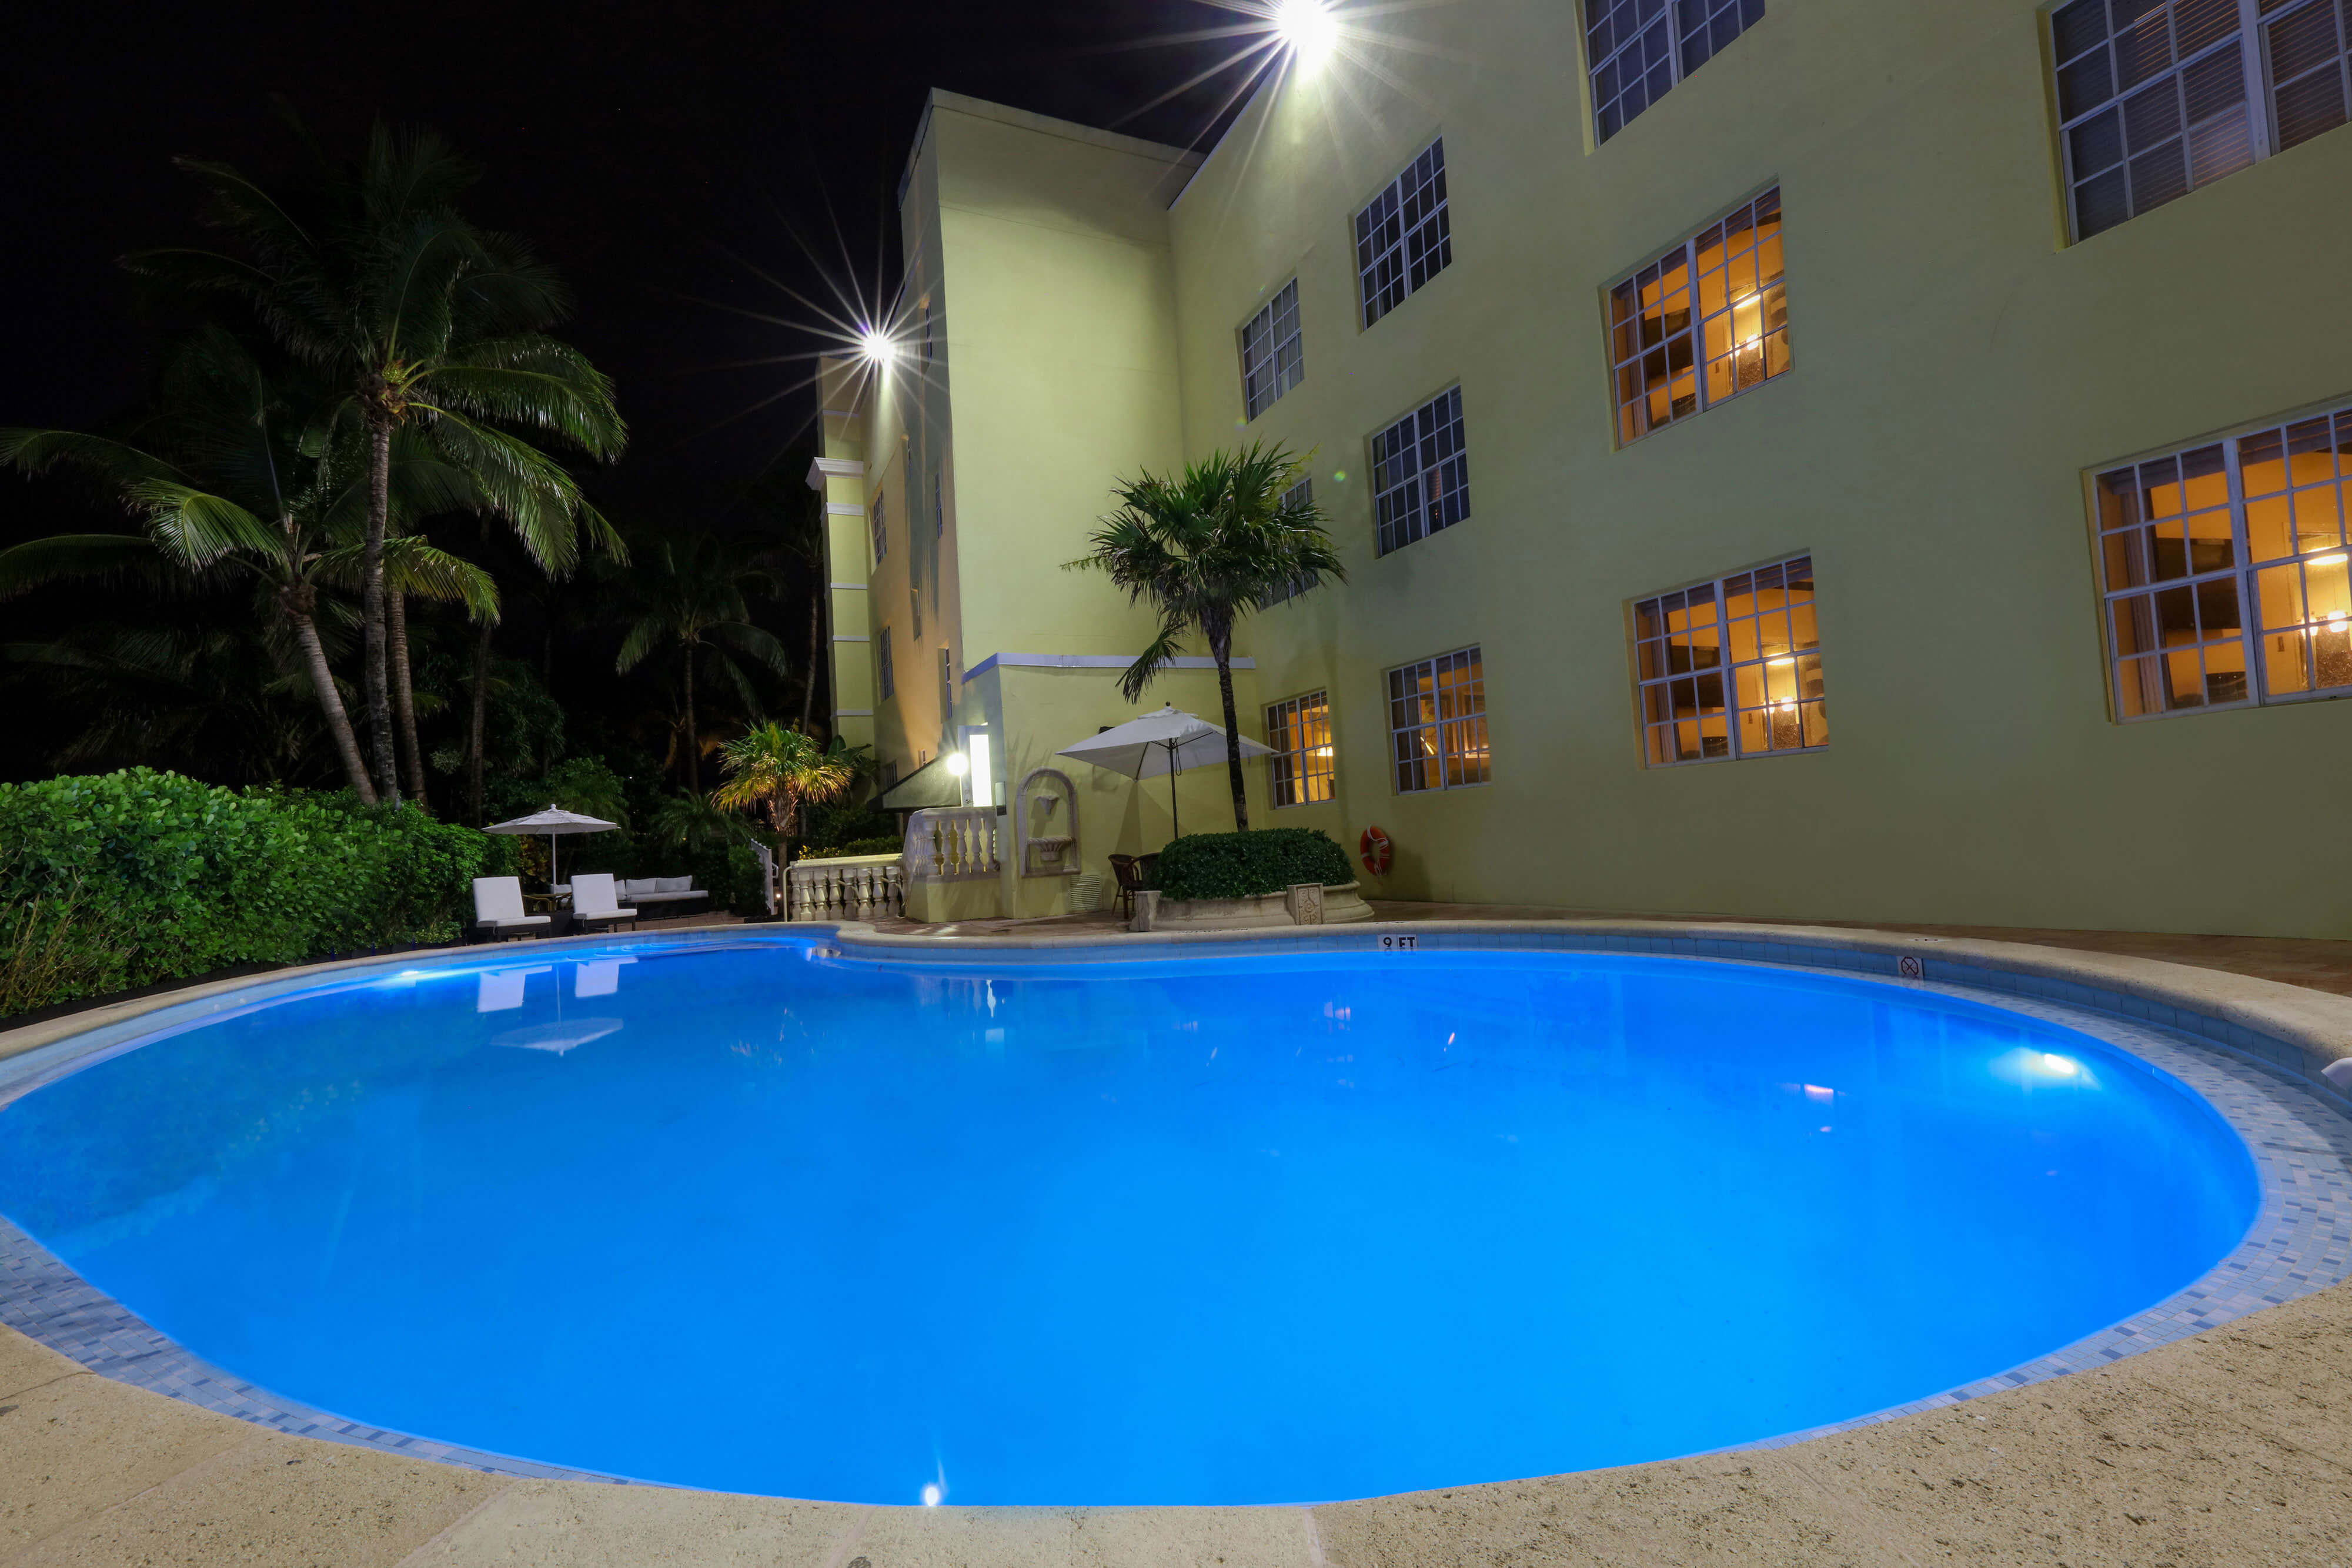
(2233,1447)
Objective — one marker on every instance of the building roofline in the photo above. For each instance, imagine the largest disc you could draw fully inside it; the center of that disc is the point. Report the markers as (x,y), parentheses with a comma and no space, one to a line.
(1045,124)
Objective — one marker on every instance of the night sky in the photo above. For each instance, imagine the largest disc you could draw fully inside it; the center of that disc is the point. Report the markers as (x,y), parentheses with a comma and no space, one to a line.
(634,145)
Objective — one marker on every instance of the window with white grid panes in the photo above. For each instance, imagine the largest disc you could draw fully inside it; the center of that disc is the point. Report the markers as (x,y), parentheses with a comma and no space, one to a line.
(1273,358)
(881,529)
(886,681)
(1638,49)
(1404,236)
(2224,570)
(1731,668)
(1302,769)
(1437,723)
(1421,473)
(2156,97)
(1299,495)
(1702,323)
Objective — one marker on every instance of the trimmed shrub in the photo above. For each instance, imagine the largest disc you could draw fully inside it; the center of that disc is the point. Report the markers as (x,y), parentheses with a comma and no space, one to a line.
(1243,865)
(125,879)
(888,844)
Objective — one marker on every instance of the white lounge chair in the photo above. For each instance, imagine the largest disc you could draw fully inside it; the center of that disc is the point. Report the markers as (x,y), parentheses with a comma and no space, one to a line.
(497,907)
(592,902)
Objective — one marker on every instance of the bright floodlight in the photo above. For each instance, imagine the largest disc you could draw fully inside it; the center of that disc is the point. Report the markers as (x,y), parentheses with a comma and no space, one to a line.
(1309,27)
(956,763)
(875,345)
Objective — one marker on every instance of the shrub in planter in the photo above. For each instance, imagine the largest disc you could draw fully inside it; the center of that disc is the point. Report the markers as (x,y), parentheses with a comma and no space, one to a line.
(1243,865)
(886,844)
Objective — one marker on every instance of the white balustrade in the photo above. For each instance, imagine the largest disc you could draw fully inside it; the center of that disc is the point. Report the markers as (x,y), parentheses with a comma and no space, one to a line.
(951,843)
(847,887)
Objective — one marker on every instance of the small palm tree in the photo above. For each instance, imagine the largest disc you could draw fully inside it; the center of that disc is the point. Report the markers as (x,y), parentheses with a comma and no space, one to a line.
(780,770)
(694,598)
(425,323)
(1206,549)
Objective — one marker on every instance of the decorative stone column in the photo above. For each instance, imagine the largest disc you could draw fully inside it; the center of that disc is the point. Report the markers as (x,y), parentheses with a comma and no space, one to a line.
(1146,910)
(1305,901)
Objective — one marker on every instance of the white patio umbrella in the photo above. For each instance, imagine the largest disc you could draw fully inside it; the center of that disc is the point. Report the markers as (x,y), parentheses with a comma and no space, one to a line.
(552,821)
(1168,741)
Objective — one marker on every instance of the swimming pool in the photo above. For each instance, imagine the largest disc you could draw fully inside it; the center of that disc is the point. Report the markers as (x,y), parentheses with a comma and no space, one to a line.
(762,1217)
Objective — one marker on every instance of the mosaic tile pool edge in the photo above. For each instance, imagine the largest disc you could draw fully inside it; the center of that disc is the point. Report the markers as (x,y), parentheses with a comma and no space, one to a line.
(2266,1087)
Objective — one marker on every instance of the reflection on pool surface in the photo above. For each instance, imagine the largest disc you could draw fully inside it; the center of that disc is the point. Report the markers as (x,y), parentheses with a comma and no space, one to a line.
(765,1218)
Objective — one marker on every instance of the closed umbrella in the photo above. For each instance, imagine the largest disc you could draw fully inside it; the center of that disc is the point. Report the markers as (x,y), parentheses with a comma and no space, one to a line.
(552,821)
(1168,741)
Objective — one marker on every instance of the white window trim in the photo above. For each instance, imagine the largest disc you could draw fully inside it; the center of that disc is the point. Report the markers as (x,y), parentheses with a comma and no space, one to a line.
(1485,714)
(1298,756)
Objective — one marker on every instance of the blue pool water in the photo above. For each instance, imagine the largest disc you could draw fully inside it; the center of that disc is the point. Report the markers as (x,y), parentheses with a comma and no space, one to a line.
(1230,1229)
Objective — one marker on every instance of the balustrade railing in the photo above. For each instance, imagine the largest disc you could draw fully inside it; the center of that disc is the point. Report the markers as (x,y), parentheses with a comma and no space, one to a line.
(951,843)
(849,887)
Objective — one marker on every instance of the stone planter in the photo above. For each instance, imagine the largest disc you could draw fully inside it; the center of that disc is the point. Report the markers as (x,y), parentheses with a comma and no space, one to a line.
(1341,904)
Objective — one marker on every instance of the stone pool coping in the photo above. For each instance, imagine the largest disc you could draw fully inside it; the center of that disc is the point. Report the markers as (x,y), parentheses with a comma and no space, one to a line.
(2234,1444)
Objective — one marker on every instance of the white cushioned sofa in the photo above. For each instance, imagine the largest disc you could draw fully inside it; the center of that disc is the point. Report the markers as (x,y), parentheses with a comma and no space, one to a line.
(656,891)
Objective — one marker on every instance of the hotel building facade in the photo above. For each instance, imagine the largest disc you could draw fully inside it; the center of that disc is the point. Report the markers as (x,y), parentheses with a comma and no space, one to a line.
(1809,459)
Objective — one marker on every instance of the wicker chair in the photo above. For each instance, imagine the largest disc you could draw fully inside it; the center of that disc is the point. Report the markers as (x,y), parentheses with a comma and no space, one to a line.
(1134,874)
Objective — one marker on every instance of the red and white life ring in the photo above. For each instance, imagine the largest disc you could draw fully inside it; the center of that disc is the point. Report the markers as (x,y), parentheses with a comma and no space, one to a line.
(1375,850)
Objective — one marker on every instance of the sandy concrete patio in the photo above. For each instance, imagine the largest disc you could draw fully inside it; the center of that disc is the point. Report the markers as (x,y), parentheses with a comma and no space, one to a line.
(2232,1448)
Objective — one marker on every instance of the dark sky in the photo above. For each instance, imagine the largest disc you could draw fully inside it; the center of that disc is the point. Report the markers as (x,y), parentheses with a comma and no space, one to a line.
(633,145)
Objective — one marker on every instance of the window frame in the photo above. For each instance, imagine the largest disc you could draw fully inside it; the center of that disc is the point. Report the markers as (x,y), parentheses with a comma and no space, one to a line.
(1677,67)
(1285,375)
(2254,38)
(1696,320)
(2244,573)
(1457,460)
(1296,752)
(885,679)
(1795,656)
(1474,652)
(1439,213)
(878,525)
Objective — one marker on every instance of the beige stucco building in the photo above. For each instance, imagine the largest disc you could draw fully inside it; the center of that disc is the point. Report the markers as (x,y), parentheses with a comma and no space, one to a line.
(1811,458)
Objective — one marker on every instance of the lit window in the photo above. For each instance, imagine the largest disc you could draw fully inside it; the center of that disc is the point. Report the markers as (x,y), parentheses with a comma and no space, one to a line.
(882,663)
(2224,571)
(1675,356)
(881,530)
(1301,768)
(1402,238)
(1638,49)
(1299,495)
(1731,668)
(1437,723)
(1421,473)
(1273,359)
(2153,94)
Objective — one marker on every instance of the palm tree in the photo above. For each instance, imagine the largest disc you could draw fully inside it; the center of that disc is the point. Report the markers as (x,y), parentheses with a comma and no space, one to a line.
(425,324)
(694,596)
(780,770)
(236,471)
(1205,550)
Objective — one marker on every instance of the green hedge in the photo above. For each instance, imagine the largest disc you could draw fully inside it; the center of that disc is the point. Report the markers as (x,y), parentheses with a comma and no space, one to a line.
(1243,865)
(123,879)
